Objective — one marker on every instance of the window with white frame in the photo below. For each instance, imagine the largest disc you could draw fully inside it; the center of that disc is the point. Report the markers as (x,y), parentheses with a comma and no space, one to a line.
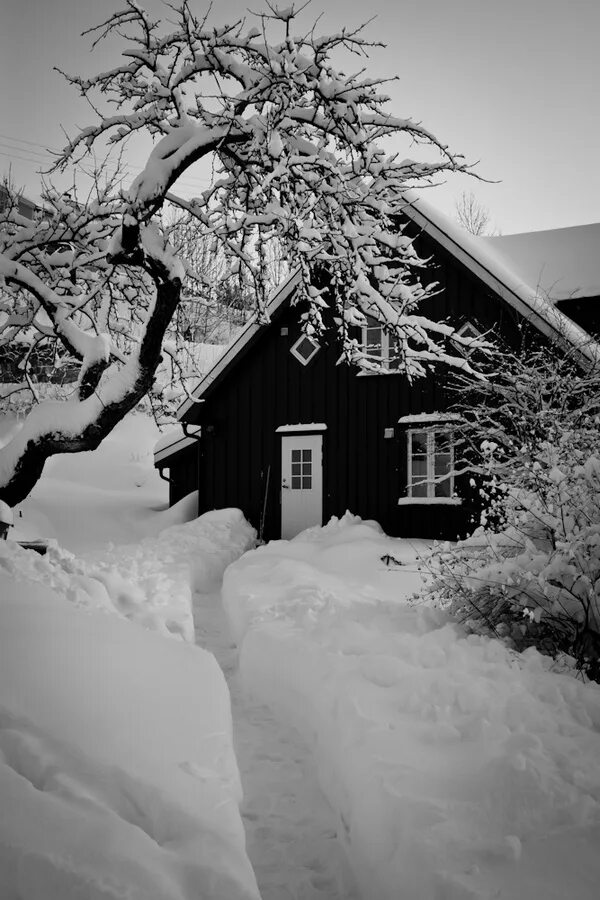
(472,333)
(379,344)
(304,349)
(430,463)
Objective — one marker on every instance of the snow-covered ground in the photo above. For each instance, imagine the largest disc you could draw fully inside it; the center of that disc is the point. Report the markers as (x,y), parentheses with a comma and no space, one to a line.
(381,753)
(456,768)
(118,776)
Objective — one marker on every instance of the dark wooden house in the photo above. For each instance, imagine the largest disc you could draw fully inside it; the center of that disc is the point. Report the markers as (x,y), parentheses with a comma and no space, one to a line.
(287,433)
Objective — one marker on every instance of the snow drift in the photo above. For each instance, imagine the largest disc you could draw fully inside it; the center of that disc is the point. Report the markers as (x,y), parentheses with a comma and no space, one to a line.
(117,773)
(150,583)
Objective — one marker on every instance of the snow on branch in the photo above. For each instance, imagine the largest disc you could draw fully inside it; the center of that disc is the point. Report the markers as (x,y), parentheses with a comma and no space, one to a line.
(294,142)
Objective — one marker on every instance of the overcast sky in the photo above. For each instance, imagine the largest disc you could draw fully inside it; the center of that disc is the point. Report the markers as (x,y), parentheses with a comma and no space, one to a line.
(511,83)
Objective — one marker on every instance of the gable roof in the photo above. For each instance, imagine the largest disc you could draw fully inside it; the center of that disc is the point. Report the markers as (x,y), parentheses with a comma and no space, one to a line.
(496,262)
(510,265)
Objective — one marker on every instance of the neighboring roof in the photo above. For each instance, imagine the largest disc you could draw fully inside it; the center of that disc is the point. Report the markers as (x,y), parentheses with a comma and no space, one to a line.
(500,262)
(173,441)
(517,285)
(25,207)
(560,264)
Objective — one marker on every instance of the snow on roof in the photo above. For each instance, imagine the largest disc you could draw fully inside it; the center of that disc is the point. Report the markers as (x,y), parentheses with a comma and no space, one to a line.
(301,426)
(518,285)
(424,418)
(173,441)
(559,264)
(523,269)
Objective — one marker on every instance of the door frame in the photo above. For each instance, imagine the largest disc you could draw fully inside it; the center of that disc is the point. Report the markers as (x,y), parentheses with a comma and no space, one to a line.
(310,429)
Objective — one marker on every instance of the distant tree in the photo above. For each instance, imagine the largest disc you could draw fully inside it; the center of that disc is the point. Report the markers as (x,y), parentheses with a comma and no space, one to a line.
(295,145)
(472,215)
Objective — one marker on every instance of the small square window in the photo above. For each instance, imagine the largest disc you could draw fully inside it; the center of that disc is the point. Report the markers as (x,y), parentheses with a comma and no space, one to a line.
(306,455)
(304,349)
(306,482)
(296,455)
(296,482)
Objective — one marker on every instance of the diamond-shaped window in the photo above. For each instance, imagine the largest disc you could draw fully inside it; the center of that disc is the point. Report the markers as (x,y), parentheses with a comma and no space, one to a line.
(469,331)
(304,349)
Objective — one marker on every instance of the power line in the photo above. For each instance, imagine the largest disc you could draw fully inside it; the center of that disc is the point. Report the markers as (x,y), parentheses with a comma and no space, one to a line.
(186,185)
(7,137)
(23,158)
(32,153)
(191,181)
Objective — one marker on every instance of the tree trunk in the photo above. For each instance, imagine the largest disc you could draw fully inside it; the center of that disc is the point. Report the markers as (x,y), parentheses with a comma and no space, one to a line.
(22,460)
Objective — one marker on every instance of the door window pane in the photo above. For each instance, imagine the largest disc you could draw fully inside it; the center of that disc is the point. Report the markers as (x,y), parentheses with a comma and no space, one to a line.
(296,482)
(306,482)
(296,455)
(306,455)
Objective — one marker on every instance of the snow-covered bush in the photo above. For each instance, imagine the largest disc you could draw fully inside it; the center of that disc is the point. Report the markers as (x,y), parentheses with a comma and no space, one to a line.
(531,572)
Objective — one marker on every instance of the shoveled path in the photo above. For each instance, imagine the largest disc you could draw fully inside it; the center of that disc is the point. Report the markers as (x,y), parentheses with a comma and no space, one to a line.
(290,828)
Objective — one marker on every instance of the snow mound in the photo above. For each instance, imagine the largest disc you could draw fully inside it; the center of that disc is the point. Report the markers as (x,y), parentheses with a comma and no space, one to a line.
(457,769)
(348,563)
(117,772)
(150,583)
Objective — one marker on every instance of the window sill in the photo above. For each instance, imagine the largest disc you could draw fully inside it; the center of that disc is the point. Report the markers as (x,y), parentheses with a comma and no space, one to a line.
(368,373)
(430,501)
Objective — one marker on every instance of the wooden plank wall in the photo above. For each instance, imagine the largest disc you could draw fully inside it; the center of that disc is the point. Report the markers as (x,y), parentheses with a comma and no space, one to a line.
(363,471)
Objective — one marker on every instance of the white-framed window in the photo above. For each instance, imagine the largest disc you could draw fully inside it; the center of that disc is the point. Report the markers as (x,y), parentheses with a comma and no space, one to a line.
(469,331)
(304,349)
(379,344)
(431,464)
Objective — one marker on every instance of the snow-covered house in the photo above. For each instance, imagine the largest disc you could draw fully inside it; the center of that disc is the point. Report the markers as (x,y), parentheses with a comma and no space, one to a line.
(292,437)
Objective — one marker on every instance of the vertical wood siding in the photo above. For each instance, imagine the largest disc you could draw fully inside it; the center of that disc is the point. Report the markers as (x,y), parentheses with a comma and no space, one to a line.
(363,471)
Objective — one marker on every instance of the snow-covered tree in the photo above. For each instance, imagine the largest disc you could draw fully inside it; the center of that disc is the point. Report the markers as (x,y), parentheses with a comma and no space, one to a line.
(296,148)
(214,301)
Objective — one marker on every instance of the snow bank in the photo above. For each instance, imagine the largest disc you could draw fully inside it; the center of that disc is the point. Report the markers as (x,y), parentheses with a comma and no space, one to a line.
(117,773)
(456,768)
(111,494)
(150,583)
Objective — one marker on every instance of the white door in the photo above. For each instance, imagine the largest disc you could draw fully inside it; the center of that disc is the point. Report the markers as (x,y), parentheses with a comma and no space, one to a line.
(301,483)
